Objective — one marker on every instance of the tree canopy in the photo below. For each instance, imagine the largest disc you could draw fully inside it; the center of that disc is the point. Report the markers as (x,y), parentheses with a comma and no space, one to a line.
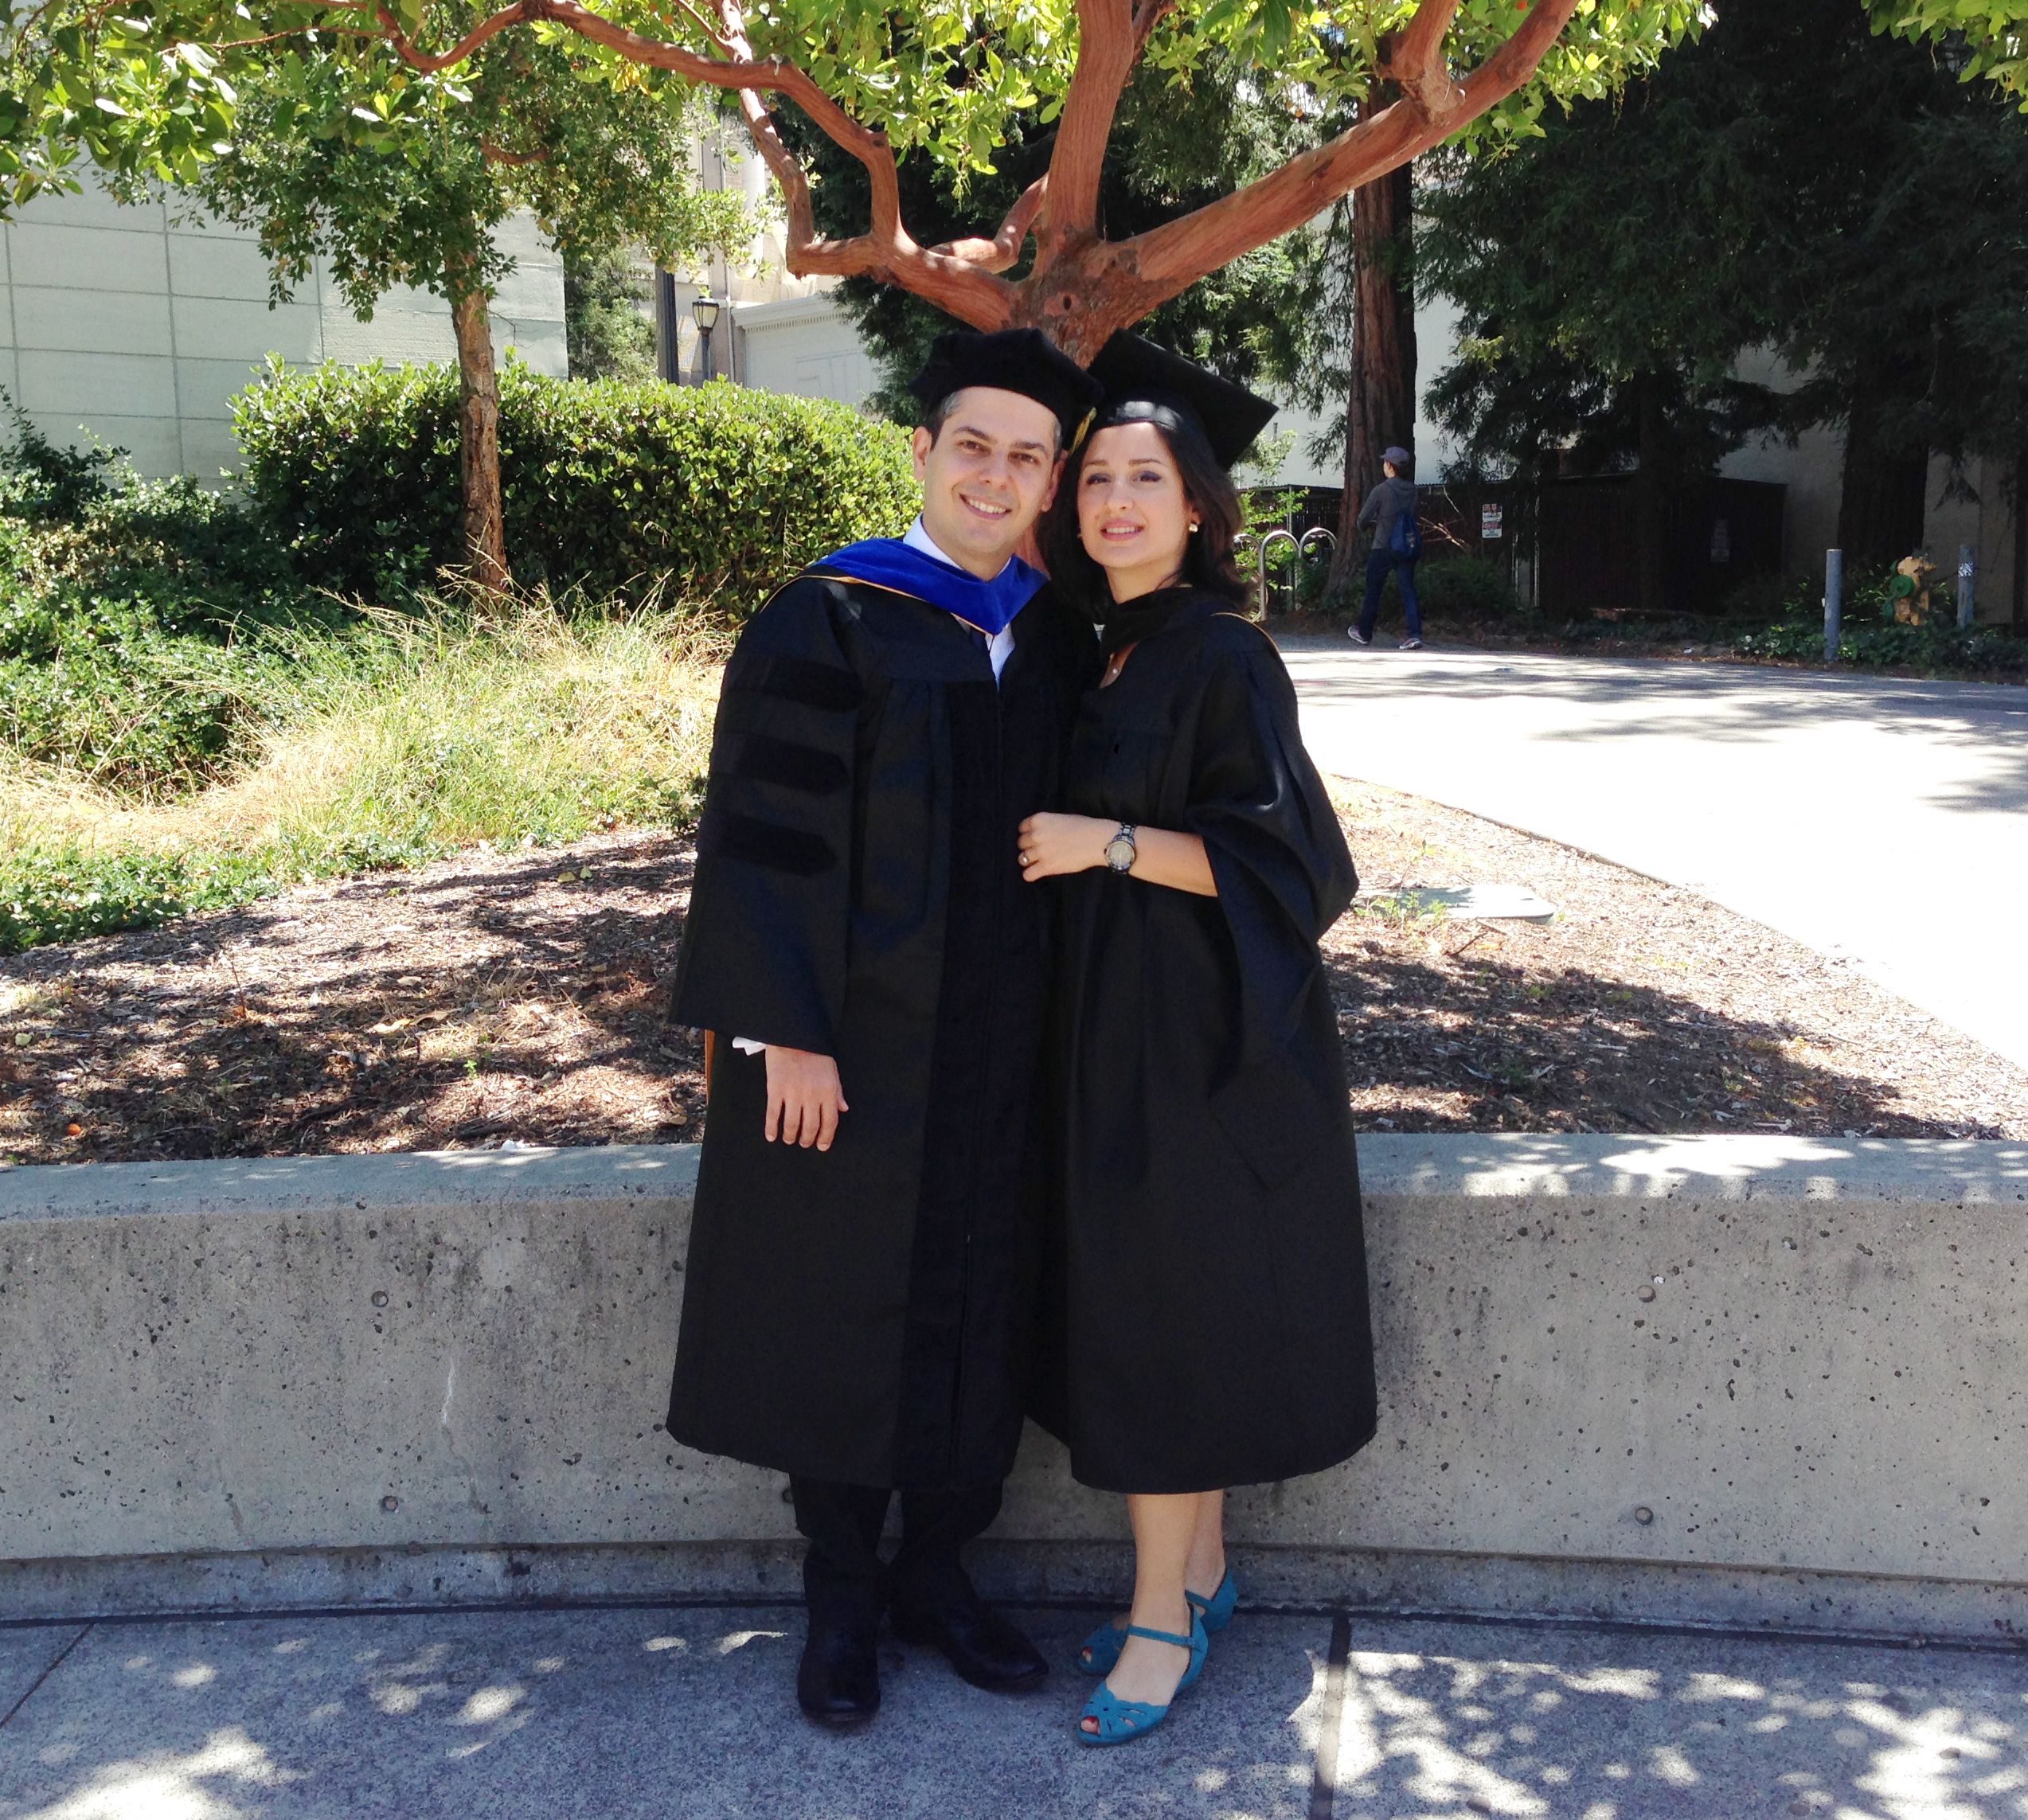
(396,180)
(154,91)
(937,77)
(1991,35)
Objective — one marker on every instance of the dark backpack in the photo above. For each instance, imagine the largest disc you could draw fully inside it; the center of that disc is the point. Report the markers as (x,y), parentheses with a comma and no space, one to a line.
(1405,540)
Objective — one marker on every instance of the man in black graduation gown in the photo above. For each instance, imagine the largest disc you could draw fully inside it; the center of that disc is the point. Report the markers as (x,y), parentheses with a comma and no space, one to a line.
(861,948)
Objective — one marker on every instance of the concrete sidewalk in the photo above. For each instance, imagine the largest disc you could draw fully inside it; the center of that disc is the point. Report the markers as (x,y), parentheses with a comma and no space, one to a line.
(1883,819)
(687,1714)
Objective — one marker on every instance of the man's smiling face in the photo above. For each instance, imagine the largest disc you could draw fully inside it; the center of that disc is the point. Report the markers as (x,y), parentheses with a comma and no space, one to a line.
(986,475)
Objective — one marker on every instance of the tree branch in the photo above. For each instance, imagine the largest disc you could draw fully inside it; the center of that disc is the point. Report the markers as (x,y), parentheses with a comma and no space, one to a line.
(499,155)
(1415,62)
(968,289)
(1004,249)
(1148,15)
(710,31)
(293,31)
(1107,43)
(1169,259)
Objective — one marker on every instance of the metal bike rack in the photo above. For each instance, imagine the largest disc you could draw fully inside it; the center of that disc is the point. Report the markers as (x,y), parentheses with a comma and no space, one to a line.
(1267,544)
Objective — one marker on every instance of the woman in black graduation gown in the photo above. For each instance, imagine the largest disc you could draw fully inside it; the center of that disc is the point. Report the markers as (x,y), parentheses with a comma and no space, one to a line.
(1205,1319)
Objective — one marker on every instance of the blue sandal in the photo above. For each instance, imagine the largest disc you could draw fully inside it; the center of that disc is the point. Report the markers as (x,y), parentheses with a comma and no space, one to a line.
(1122,1721)
(1099,1653)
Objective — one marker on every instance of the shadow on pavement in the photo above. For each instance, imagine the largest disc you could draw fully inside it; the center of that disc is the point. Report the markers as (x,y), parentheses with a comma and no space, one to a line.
(1468,1046)
(686,1715)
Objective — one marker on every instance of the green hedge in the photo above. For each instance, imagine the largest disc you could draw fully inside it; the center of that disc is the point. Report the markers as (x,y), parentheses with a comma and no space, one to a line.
(612,487)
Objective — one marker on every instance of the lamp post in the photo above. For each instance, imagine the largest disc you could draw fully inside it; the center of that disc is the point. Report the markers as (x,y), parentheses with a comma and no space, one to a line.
(705,310)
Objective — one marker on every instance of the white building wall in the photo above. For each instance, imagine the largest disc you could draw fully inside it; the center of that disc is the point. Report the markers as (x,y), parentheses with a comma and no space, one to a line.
(1812,469)
(1436,338)
(806,346)
(136,325)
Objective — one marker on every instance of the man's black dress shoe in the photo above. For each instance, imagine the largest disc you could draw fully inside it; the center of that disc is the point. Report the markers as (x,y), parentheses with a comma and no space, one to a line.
(837,1682)
(981,1645)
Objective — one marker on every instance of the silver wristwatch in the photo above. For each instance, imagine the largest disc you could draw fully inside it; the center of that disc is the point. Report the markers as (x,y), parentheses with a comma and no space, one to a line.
(1119,850)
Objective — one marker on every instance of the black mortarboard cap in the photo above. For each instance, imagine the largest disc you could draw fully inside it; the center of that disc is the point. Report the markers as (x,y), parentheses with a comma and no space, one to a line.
(1013,360)
(1143,382)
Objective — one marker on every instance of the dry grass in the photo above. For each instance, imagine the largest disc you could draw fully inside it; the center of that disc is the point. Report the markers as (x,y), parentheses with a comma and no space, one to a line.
(412,740)
(510,716)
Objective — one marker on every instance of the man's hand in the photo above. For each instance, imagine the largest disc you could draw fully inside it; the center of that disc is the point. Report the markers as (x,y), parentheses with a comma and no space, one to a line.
(804,1098)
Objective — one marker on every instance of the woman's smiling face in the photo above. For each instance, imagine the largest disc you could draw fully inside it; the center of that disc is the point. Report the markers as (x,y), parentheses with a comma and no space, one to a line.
(1133,515)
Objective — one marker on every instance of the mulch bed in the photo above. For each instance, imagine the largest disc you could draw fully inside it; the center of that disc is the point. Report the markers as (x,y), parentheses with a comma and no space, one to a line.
(497,997)
(1641,1008)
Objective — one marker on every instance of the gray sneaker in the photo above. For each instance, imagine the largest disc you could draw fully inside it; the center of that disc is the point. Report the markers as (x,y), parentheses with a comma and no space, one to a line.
(1409,644)
(1358,637)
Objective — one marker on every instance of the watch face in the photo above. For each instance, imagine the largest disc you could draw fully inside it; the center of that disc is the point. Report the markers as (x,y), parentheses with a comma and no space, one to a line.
(1119,854)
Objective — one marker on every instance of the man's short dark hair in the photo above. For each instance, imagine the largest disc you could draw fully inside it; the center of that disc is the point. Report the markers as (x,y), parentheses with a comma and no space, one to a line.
(940,414)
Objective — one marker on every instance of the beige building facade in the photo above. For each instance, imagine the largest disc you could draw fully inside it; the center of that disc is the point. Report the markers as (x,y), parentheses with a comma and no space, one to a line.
(136,325)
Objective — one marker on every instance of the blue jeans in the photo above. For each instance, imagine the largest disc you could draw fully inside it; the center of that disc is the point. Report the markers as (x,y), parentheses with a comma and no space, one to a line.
(1379,563)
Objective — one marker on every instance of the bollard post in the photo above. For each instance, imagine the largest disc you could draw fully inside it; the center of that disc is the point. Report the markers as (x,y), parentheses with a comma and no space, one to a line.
(1833,602)
(1968,586)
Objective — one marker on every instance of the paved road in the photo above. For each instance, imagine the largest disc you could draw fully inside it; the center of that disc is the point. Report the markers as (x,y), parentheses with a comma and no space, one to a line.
(1881,820)
(675,1714)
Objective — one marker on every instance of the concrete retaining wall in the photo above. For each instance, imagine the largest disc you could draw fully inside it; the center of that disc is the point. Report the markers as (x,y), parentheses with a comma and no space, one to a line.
(1781,1380)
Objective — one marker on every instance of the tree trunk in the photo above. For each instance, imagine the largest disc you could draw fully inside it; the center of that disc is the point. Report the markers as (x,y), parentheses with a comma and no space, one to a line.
(2019,617)
(1380,405)
(479,433)
(1881,507)
(1651,497)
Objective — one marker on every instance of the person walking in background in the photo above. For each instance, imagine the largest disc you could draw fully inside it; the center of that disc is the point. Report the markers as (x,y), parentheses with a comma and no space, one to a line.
(1389,513)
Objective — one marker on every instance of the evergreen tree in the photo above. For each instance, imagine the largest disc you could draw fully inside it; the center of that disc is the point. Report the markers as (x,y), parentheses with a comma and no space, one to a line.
(610,335)
(1791,181)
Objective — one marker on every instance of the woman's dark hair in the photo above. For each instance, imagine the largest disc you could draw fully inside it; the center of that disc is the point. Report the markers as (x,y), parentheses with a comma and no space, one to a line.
(1207,556)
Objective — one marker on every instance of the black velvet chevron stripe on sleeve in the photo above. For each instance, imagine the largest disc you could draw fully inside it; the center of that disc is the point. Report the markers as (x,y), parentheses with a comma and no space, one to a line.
(819,686)
(791,764)
(748,837)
